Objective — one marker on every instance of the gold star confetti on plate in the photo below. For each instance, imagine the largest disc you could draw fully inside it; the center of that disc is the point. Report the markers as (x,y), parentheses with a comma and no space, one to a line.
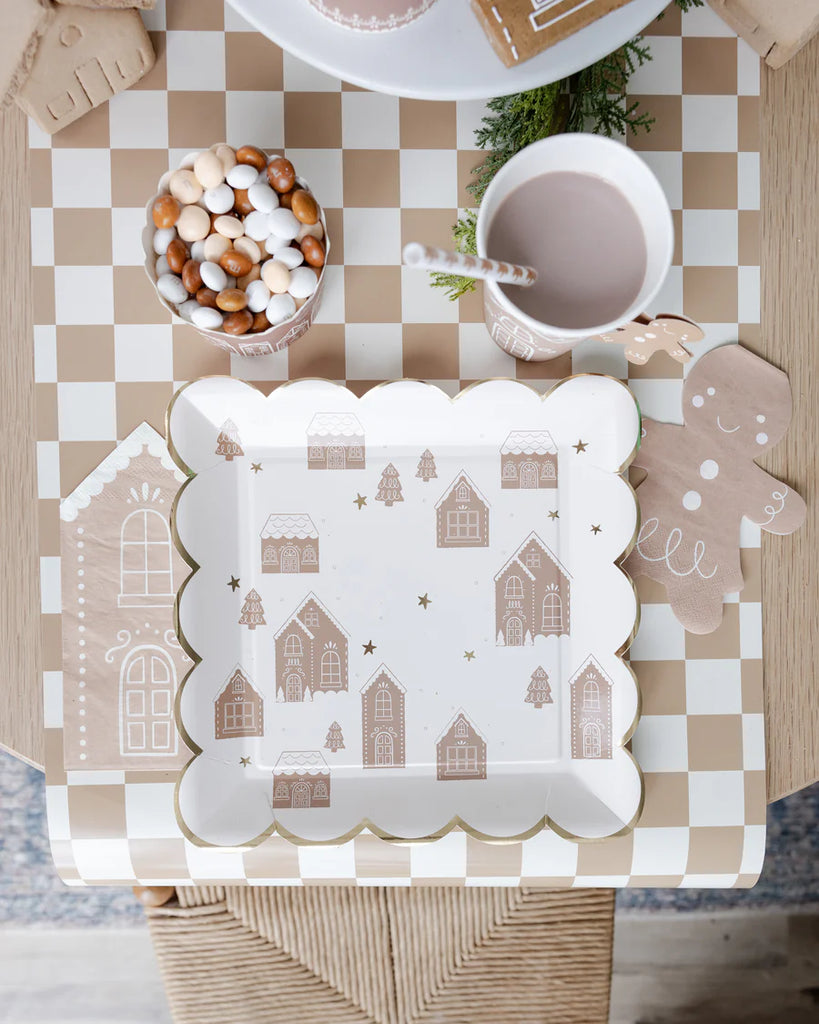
(369,647)
(233,583)
(580,446)
(554,514)
(244,761)
(425,600)
(469,655)
(256,467)
(597,529)
(359,500)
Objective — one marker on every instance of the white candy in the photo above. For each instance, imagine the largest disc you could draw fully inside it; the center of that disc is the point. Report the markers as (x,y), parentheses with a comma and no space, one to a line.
(198,250)
(280,308)
(162,239)
(213,276)
(303,282)
(258,296)
(241,176)
(256,225)
(289,256)
(187,309)
(219,199)
(274,243)
(162,266)
(206,317)
(263,197)
(283,223)
(187,161)
(171,288)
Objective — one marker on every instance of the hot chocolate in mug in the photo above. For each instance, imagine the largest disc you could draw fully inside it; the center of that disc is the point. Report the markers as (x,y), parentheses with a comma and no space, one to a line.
(590,216)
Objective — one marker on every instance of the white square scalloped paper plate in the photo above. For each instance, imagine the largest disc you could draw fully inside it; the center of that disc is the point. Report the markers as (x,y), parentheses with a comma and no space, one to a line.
(428,623)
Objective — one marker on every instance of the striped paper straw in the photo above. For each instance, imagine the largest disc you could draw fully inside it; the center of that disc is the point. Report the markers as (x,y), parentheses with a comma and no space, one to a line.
(428,257)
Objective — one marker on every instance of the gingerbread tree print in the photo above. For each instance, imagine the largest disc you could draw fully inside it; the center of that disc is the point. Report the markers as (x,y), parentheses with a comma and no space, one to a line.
(227,443)
(539,692)
(426,466)
(335,739)
(389,490)
(252,611)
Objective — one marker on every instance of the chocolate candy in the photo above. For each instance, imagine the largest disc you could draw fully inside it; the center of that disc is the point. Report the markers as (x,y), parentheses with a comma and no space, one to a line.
(166,211)
(251,155)
(281,174)
(231,299)
(191,277)
(286,199)
(241,199)
(260,322)
(239,322)
(304,206)
(235,263)
(206,297)
(313,251)
(177,255)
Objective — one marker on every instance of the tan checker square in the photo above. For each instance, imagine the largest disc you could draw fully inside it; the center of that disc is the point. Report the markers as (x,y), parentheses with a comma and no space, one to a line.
(135,298)
(433,227)
(610,858)
(649,591)
(709,181)
(756,797)
(551,370)
(746,881)
(547,882)
(750,335)
(372,177)
(372,295)
(709,65)
(431,351)
(77,459)
(40,177)
(490,860)
(48,526)
(82,238)
(666,132)
(158,858)
(253,62)
(135,777)
(194,356)
(320,353)
(662,686)
(715,850)
(195,119)
(427,125)
(135,173)
(53,753)
(751,561)
(272,859)
(97,812)
(335,232)
(666,799)
(349,87)
(376,859)
(43,291)
(748,124)
(195,15)
(468,160)
(660,367)
(710,294)
(62,852)
(85,353)
(312,120)
(655,881)
(88,132)
(749,238)
(157,77)
(714,743)
(722,643)
(677,221)
(45,412)
(470,306)
(753,693)
(669,23)
(142,400)
(361,387)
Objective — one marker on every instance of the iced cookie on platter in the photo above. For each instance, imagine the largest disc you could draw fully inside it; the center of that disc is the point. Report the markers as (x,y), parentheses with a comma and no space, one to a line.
(372,15)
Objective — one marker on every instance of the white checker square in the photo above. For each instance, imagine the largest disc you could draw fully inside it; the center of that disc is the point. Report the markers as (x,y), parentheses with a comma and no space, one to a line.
(374,351)
(753,850)
(423,304)
(710,238)
(663,74)
(660,851)
(205,863)
(429,178)
(496,881)
(84,295)
(445,858)
(196,61)
(748,181)
(660,743)
(272,367)
(50,587)
(595,356)
(255,115)
(86,411)
(600,882)
(331,307)
(372,237)
(716,798)
(234,22)
(670,296)
(750,630)
(127,224)
(659,399)
(302,77)
(709,124)
(103,859)
(548,855)
(661,636)
(48,469)
(37,137)
(748,295)
(95,778)
(369,120)
(52,700)
(327,861)
(468,117)
(42,236)
(716,335)
(479,356)
(138,120)
(154,19)
(667,167)
(753,743)
(749,64)
(143,352)
(713,686)
(59,821)
(322,170)
(149,811)
(45,354)
(702,21)
(81,178)
(709,881)
(750,535)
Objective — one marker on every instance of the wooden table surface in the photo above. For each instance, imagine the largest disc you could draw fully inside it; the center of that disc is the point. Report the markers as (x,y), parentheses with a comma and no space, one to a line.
(789,338)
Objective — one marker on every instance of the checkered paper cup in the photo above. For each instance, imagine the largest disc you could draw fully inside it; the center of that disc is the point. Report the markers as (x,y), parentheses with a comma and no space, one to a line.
(262,343)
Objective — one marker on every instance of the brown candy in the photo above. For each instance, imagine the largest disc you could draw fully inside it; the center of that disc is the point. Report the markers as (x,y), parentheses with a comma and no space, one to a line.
(206,297)
(231,299)
(281,174)
(251,155)
(241,204)
(304,206)
(313,251)
(235,263)
(260,322)
(177,255)
(286,200)
(166,211)
(191,278)
(254,275)
(239,322)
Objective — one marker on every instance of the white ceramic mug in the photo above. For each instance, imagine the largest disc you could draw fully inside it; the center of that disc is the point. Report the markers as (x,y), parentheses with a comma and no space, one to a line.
(522,335)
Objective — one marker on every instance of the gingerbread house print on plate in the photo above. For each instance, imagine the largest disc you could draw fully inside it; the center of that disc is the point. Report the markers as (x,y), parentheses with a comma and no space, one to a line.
(529,460)
(532,595)
(383,730)
(238,708)
(335,440)
(311,653)
(122,662)
(462,516)
(301,778)
(461,752)
(590,691)
(289,543)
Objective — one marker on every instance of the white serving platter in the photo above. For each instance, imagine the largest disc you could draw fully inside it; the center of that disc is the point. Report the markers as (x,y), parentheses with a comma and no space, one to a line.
(400,572)
(442,55)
